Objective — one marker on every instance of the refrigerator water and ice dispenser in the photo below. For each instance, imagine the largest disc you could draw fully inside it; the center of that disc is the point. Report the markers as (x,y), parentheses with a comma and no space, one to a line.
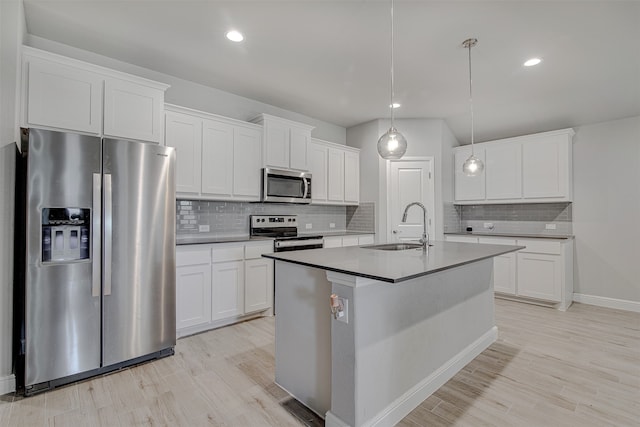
(65,234)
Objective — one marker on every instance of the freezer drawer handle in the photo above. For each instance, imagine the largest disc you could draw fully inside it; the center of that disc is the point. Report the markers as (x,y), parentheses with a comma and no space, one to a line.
(108,224)
(97,208)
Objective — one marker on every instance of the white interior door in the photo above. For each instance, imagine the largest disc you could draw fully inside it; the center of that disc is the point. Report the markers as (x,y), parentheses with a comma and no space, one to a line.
(410,181)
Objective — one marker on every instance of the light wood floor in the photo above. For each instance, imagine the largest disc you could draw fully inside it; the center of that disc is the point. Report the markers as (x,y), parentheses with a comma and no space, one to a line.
(579,368)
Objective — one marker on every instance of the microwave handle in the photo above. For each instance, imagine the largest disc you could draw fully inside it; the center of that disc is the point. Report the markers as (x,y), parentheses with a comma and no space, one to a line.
(306,187)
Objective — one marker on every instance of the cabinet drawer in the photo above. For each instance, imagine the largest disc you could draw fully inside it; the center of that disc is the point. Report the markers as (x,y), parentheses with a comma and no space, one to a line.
(540,246)
(496,241)
(192,257)
(256,251)
(227,253)
(350,241)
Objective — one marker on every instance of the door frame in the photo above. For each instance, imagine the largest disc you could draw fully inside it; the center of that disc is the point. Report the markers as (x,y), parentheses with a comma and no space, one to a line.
(430,197)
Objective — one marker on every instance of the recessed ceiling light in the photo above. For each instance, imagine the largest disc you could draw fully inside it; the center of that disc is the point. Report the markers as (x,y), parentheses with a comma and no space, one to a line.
(235,36)
(395,105)
(533,61)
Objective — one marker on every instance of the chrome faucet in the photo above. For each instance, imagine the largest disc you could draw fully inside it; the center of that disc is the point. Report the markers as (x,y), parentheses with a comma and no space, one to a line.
(424,240)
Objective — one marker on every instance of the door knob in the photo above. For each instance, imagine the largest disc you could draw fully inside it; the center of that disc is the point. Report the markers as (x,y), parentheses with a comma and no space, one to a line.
(395,231)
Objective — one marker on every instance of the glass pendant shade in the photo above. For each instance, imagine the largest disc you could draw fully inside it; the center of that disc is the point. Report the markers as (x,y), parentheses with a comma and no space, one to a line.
(472,166)
(392,145)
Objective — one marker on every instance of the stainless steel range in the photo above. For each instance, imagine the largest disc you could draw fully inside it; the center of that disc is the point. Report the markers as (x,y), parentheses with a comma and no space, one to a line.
(284,228)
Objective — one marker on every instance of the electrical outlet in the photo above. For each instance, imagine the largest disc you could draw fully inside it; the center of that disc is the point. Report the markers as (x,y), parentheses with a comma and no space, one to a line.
(344,318)
(203,228)
(308,226)
(488,225)
(332,225)
(550,226)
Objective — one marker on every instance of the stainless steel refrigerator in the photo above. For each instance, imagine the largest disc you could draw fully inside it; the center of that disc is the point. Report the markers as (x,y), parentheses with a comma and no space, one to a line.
(95,256)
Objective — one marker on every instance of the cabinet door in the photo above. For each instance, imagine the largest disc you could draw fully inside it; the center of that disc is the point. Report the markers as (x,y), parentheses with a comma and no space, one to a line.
(227,289)
(539,276)
(184,132)
(468,187)
(366,240)
(504,266)
(247,163)
(63,97)
(504,171)
(193,295)
(318,168)
(258,285)
(332,242)
(545,168)
(335,175)
(132,110)
(351,177)
(299,139)
(276,144)
(217,159)
(350,241)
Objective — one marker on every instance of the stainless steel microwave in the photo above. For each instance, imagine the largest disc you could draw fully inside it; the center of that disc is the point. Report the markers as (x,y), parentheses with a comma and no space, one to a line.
(286,186)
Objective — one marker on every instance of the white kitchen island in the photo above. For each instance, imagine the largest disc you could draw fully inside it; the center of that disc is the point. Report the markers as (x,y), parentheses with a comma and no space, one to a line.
(413,320)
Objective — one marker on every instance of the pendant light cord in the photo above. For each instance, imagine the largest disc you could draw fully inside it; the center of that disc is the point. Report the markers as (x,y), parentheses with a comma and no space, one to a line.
(392,92)
(471,97)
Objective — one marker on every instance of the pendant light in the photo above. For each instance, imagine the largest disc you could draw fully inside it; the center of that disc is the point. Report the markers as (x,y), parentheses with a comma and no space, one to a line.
(472,166)
(392,145)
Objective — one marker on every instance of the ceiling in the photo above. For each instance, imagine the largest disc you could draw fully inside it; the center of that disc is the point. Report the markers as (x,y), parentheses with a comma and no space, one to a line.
(330,59)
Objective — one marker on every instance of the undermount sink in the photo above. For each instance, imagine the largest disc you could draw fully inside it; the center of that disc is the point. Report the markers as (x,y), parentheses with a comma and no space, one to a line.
(395,246)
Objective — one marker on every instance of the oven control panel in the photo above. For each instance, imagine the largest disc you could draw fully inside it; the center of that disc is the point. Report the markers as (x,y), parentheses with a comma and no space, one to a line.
(273,221)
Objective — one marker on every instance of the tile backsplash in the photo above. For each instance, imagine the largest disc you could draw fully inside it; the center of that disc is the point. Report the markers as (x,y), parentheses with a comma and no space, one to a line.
(528,218)
(232,218)
(361,218)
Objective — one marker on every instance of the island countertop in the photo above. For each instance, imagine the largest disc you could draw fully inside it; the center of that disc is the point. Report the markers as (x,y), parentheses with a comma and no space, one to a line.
(393,266)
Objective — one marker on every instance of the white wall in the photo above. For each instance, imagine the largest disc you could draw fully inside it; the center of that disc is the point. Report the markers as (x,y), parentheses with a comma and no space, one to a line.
(425,137)
(11,37)
(196,96)
(606,209)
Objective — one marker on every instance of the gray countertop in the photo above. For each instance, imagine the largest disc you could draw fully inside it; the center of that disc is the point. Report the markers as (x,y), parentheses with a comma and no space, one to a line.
(196,239)
(204,239)
(393,266)
(513,235)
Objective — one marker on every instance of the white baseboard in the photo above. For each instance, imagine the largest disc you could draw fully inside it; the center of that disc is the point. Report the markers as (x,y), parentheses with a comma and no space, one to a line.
(406,403)
(620,304)
(7,384)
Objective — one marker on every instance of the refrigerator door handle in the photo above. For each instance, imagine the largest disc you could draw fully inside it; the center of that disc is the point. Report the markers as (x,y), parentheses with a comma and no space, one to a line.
(96,230)
(108,223)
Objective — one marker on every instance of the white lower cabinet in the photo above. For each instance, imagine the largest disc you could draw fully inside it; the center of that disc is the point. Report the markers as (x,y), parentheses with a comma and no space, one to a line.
(227,296)
(541,272)
(220,284)
(258,288)
(193,298)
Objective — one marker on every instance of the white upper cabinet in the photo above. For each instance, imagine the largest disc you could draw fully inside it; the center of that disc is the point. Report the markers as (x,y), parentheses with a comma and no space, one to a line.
(65,94)
(132,110)
(247,146)
(184,133)
(468,187)
(546,167)
(218,158)
(285,142)
(63,97)
(527,169)
(352,177)
(504,171)
(335,173)
(318,167)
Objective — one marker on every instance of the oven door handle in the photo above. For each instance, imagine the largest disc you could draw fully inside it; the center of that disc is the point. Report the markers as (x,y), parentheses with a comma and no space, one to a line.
(301,243)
